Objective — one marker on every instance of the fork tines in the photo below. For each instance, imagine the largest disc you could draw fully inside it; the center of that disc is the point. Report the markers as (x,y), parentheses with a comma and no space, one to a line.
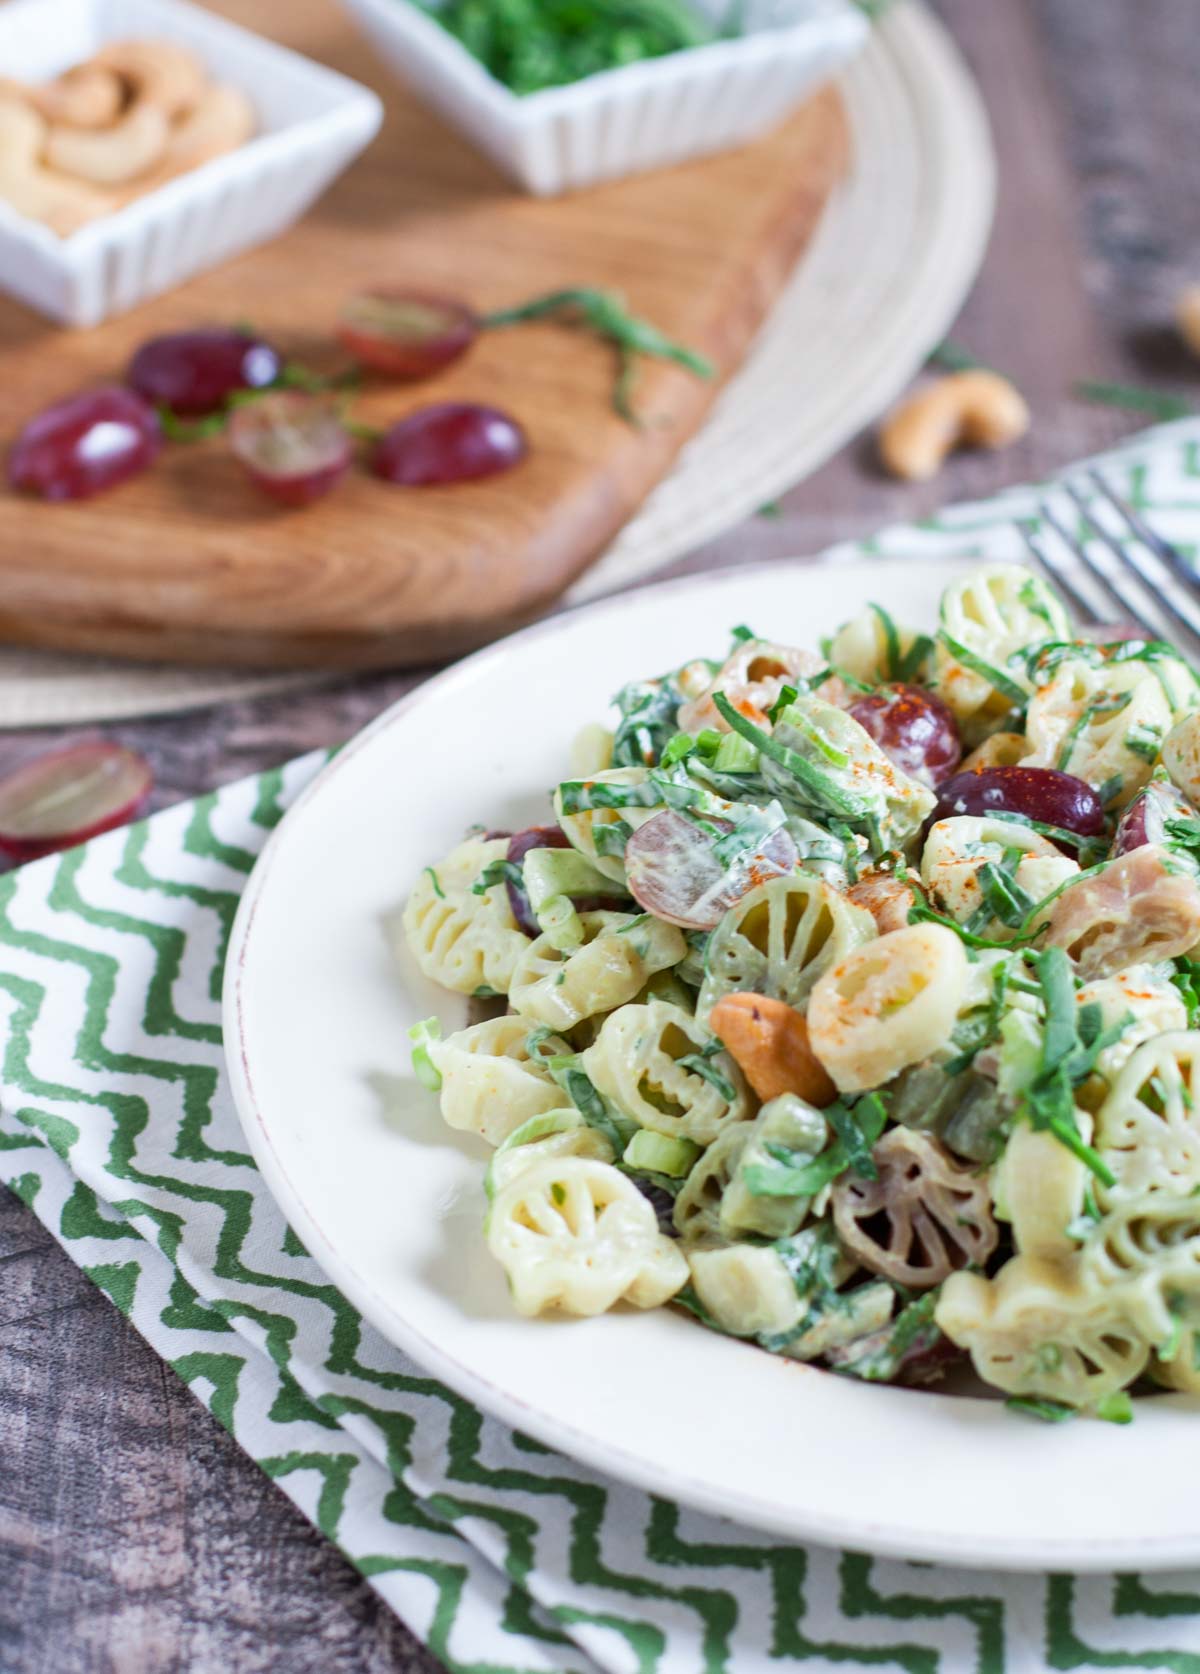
(1129,573)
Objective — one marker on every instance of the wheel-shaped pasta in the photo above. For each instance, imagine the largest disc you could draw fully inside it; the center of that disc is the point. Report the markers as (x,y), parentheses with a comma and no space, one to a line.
(576,1234)
(490,1085)
(934,1215)
(697,1212)
(619,953)
(1181,756)
(890,1003)
(463,941)
(658,1066)
(1039,1328)
(600,830)
(747,1289)
(752,677)
(779,938)
(872,647)
(1039,1187)
(1140,908)
(549,1137)
(1103,722)
(985,620)
(1148,1128)
(990,873)
(1148,1003)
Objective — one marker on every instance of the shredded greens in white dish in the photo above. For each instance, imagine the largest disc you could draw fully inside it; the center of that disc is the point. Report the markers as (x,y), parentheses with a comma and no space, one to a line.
(849,1001)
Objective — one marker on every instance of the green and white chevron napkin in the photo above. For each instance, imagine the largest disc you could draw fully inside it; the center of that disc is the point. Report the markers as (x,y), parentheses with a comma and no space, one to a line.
(117,1128)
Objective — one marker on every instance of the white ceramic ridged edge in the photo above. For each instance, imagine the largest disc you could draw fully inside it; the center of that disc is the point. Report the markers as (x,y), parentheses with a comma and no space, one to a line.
(316,121)
(644,116)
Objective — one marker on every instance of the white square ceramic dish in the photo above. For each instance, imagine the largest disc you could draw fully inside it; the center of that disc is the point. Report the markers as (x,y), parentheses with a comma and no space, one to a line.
(312,122)
(643,116)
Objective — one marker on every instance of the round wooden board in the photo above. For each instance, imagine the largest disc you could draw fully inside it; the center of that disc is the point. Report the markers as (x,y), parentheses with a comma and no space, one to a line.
(192,563)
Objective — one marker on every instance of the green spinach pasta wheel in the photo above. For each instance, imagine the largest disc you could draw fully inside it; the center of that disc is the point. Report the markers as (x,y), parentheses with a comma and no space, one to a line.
(619,953)
(697,1213)
(1045,1329)
(576,1234)
(971,863)
(466,942)
(658,1066)
(490,1085)
(990,617)
(1148,1128)
(779,939)
(599,832)
(1105,722)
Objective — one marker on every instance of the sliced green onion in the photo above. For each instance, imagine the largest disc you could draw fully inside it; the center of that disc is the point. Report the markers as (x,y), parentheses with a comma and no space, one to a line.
(657,1154)
(424,1035)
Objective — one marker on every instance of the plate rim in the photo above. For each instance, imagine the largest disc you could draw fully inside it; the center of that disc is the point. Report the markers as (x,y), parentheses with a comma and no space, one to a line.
(1034,1554)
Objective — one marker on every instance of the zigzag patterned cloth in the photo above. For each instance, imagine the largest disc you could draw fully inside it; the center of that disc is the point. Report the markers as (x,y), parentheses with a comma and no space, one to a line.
(117,1128)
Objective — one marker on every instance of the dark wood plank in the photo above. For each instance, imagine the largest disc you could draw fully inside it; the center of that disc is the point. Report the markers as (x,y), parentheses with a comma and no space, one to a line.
(1099,224)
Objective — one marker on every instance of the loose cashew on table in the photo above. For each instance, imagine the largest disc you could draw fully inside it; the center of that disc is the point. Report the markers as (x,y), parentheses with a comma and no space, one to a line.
(108,131)
(976,408)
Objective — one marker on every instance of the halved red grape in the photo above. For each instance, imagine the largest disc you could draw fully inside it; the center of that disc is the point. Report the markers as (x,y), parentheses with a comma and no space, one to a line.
(406,334)
(63,798)
(195,372)
(914,728)
(85,445)
(1039,793)
(294,445)
(454,441)
(675,870)
(1145,819)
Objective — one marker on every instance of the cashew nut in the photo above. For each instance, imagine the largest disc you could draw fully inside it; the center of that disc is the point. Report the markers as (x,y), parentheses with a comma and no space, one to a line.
(62,205)
(111,156)
(221,121)
(159,73)
(88,96)
(964,409)
(1187,317)
(769,1043)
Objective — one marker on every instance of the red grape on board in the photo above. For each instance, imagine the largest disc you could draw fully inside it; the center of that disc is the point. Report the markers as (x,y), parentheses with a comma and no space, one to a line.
(85,445)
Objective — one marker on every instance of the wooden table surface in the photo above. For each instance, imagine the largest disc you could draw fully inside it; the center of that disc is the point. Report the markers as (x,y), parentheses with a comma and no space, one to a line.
(134,1536)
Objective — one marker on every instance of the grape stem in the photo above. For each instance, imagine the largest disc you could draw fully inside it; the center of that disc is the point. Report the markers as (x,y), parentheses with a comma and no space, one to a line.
(605,314)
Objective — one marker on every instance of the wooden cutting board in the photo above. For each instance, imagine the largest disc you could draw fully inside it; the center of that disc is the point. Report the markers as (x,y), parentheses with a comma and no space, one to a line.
(190,563)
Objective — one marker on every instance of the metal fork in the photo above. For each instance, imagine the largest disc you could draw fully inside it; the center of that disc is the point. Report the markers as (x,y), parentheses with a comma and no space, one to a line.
(1142,563)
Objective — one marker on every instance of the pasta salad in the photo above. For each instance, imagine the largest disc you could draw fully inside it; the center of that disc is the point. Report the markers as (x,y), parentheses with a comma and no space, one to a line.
(847,1002)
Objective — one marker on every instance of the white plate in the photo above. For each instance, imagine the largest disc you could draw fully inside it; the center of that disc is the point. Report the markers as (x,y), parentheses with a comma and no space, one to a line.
(389,1201)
